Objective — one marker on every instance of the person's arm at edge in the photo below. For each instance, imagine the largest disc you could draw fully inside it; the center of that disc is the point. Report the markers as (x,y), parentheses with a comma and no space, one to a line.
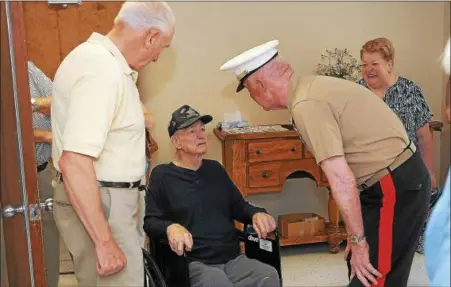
(308,117)
(84,195)
(42,136)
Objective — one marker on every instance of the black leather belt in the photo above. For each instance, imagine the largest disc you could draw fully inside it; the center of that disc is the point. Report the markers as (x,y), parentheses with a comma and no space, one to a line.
(42,166)
(110,184)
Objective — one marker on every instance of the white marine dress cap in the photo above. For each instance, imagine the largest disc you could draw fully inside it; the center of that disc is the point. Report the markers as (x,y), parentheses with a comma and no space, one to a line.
(250,61)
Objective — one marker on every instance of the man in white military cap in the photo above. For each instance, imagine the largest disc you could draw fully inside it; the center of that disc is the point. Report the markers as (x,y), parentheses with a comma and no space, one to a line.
(377,177)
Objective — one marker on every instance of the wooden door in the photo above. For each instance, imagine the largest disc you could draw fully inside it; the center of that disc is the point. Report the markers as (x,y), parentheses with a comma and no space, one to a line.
(52,31)
(18,175)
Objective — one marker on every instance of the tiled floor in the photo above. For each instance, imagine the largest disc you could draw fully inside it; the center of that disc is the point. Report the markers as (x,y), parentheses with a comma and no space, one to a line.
(312,265)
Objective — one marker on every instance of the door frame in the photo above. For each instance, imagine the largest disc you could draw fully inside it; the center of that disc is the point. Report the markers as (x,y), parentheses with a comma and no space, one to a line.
(24,250)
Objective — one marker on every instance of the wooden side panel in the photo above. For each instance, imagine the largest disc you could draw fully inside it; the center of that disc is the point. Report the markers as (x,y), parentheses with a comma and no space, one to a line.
(67,31)
(53,31)
(14,143)
(96,16)
(42,36)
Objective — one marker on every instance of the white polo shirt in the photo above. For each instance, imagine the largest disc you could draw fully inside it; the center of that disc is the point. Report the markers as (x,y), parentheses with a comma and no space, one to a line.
(96,111)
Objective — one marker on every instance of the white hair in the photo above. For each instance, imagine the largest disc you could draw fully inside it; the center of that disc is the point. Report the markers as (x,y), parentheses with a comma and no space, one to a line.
(147,15)
(446,59)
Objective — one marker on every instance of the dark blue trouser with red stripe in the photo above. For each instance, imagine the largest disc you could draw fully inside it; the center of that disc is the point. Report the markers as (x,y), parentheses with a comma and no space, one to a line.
(394,211)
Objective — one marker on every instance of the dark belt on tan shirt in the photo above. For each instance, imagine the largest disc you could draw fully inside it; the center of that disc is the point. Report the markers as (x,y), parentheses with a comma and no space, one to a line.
(109,184)
(400,159)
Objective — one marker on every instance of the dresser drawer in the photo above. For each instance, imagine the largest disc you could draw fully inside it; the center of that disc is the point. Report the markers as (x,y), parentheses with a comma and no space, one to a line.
(274,150)
(264,175)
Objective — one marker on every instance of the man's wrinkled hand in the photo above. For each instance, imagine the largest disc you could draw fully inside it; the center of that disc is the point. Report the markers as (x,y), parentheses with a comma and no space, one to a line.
(263,224)
(179,239)
(110,258)
(361,266)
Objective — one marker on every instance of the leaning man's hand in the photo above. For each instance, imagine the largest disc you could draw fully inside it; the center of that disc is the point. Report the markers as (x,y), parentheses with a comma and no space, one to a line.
(110,258)
(361,266)
(179,239)
(263,224)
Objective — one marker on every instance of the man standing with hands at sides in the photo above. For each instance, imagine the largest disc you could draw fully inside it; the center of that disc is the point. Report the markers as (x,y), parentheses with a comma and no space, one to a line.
(378,179)
(99,144)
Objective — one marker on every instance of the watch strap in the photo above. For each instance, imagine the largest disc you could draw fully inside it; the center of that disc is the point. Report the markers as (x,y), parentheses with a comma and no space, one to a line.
(356,238)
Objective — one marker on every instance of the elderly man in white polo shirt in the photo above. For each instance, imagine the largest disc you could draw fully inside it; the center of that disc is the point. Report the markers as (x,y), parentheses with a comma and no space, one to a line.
(99,144)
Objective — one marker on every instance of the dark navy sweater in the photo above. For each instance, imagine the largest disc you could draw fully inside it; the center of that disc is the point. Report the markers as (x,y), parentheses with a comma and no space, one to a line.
(205,202)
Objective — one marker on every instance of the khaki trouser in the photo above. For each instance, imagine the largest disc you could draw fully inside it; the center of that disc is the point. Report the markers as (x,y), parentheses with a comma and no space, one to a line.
(121,210)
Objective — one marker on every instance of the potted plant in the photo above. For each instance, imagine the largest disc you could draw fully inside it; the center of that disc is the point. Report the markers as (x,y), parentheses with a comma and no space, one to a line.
(339,63)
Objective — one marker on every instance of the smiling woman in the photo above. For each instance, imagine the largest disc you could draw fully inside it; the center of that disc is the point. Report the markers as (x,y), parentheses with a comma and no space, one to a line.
(403,96)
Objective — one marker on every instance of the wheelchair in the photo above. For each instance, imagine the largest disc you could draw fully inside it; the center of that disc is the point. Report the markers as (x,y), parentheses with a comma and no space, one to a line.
(164,268)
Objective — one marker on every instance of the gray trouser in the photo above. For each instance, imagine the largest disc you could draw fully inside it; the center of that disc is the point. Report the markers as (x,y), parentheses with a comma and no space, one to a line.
(49,230)
(241,271)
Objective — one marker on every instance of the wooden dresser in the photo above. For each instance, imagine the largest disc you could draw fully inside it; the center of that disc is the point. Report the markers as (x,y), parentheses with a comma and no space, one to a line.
(260,162)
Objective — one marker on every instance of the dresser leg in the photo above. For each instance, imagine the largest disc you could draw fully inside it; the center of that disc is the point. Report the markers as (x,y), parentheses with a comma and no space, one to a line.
(333,231)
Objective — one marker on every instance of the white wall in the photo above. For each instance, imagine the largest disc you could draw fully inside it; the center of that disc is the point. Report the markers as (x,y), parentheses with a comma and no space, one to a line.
(209,33)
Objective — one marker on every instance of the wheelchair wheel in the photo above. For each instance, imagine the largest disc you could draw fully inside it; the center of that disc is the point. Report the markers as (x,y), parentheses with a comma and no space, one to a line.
(152,274)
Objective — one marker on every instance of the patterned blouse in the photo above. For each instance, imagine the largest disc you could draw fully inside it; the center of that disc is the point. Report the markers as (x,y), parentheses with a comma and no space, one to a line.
(406,99)
(40,87)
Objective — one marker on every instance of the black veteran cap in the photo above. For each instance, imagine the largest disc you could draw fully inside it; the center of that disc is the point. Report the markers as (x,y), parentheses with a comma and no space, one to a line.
(184,117)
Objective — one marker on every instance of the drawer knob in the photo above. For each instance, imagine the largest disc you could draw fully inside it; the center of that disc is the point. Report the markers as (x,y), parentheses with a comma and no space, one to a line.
(258,151)
(265,174)
(293,149)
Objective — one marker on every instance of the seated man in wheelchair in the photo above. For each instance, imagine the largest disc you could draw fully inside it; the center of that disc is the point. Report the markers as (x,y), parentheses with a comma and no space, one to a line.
(193,203)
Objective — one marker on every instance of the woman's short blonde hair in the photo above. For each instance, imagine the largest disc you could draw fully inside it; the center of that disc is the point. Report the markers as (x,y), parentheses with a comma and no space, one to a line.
(379,45)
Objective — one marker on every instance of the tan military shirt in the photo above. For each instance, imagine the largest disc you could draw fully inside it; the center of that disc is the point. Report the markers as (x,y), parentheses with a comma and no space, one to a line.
(96,111)
(337,117)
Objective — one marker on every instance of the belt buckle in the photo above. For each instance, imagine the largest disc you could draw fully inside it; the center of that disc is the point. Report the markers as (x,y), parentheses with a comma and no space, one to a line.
(362,186)
(130,185)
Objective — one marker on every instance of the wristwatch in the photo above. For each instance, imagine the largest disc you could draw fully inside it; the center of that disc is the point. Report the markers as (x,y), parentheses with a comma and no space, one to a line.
(356,239)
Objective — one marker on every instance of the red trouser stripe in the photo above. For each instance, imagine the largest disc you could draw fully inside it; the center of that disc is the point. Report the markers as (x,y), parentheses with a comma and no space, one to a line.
(387,214)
